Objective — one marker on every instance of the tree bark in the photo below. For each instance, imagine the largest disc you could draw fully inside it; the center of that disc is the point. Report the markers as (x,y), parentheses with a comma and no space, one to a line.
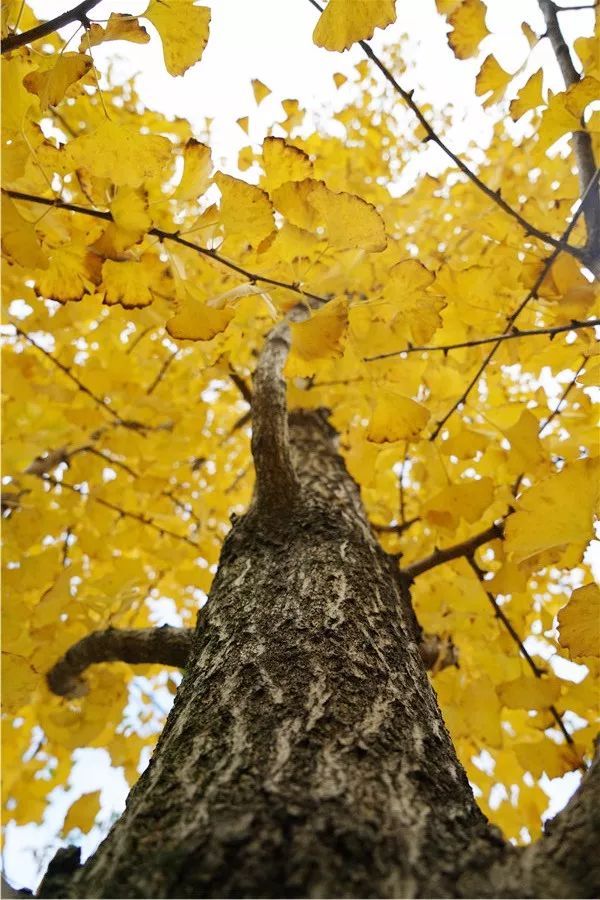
(305,754)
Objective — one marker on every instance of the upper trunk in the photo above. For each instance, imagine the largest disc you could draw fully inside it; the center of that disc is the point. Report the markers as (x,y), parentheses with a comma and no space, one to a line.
(305,754)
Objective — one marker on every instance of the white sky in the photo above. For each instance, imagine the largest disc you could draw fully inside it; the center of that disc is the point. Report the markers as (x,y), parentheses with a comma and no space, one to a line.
(272,40)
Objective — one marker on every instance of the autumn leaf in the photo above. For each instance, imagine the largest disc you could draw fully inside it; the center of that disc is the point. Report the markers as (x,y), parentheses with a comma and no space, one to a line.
(120,27)
(396,418)
(343,22)
(579,622)
(121,153)
(199,322)
(468,28)
(82,813)
(350,221)
(246,211)
(51,83)
(197,166)
(183,28)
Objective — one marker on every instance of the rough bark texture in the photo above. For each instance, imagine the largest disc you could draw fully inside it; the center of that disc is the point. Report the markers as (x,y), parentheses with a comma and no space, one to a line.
(305,755)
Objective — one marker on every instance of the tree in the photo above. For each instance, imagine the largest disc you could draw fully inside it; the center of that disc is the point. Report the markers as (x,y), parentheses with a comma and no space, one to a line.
(338,399)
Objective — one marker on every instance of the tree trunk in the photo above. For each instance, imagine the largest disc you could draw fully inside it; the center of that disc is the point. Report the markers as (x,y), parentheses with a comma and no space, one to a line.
(305,754)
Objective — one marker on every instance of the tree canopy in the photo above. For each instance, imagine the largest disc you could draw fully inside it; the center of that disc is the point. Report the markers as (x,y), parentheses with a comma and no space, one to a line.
(449,328)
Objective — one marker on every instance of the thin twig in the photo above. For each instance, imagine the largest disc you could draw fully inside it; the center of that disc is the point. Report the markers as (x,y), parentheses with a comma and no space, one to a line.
(432,136)
(125,513)
(510,336)
(500,614)
(162,371)
(174,236)
(77,14)
(242,386)
(556,411)
(514,315)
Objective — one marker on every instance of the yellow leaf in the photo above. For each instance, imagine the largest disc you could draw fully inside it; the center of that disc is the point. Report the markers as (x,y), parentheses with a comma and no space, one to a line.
(82,814)
(132,283)
(525,443)
(129,209)
(555,512)
(350,221)
(260,91)
(546,756)
(529,97)
(243,123)
(321,336)
(408,277)
(491,78)
(526,692)
(197,166)
(183,30)
(396,418)
(283,162)
(246,211)
(467,499)
(339,79)
(120,153)
(19,240)
(468,28)
(343,22)
(198,322)
(53,79)
(292,199)
(579,622)
(120,27)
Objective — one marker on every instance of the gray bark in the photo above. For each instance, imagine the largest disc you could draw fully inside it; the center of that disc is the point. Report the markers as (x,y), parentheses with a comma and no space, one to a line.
(305,754)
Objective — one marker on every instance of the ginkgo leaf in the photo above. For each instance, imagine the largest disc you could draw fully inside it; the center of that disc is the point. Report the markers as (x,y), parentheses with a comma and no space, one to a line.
(197,166)
(120,153)
(183,29)
(554,512)
(491,79)
(529,96)
(67,276)
(19,240)
(198,322)
(246,211)
(129,209)
(468,28)
(292,199)
(396,418)
(82,814)
(467,499)
(120,27)
(132,282)
(52,83)
(321,336)
(283,162)
(410,276)
(260,91)
(579,622)
(343,22)
(351,222)
(527,692)
(243,123)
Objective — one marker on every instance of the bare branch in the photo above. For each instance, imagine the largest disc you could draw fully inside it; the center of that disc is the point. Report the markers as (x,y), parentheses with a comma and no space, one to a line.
(477,342)
(77,14)
(582,140)
(253,277)
(276,482)
(446,554)
(400,528)
(514,315)
(432,136)
(167,646)
(241,385)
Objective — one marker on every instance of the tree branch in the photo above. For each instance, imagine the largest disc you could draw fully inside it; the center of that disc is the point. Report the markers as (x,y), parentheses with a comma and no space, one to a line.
(174,236)
(477,342)
(276,482)
(167,646)
(446,554)
(514,315)
(582,140)
(501,615)
(432,136)
(77,14)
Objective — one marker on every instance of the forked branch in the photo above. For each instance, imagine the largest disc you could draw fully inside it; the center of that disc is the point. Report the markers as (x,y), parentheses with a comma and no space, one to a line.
(166,646)
(463,549)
